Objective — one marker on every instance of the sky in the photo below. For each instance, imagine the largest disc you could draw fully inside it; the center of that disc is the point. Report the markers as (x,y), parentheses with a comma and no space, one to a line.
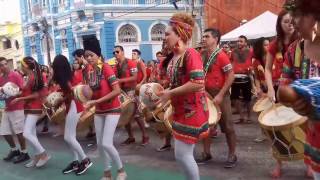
(9,11)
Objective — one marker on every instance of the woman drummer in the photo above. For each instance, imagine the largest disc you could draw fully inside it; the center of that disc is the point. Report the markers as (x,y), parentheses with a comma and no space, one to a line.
(105,86)
(307,18)
(62,75)
(185,70)
(31,93)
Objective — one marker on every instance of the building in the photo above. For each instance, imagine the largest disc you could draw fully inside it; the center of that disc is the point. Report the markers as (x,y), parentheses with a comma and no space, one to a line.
(229,14)
(10,32)
(131,23)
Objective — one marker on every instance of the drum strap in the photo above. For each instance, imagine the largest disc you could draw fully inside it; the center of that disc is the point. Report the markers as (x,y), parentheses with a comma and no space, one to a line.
(212,59)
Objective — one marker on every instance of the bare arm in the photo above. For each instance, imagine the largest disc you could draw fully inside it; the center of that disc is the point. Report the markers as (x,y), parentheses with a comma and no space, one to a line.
(114,93)
(268,75)
(229,80)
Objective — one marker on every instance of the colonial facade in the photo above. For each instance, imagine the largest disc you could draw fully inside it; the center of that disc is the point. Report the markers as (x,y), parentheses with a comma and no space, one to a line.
(133,24)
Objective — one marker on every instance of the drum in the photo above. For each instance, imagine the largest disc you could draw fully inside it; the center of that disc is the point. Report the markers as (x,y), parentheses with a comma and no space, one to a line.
(286,131)
(262,104)
(147,114)
(214,111)
(53,99)
(86,119)
(127,109)
(163,116)
(82,93)
(149,94)
(10,89)
(56,115)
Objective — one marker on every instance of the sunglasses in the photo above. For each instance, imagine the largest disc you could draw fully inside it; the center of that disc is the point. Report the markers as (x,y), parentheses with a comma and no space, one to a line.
(116,52)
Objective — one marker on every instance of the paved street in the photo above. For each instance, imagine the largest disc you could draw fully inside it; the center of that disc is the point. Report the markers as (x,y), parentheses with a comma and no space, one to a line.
(144,163)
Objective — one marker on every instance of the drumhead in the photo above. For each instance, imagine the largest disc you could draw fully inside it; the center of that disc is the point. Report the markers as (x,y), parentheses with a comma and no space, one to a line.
(279,116)
(262,104)
(214,112)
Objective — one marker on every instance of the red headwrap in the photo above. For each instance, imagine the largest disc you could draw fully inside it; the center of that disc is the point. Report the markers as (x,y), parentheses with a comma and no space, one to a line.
(184,30)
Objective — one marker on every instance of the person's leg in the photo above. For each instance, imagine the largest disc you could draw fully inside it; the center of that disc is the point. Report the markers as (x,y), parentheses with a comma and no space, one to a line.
(145,137)
(235,95)
(167,143)
(276,172)
(30,133)
(99,126)
(184,156)
(316,175)
(246,89)
(110,125)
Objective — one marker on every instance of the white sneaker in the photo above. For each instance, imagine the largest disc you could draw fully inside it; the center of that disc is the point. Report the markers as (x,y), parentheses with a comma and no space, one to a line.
(30,164)
(122,176)
(42,162)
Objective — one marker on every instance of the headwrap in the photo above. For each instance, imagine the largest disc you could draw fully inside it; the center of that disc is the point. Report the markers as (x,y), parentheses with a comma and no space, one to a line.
(93,45)
(184,30)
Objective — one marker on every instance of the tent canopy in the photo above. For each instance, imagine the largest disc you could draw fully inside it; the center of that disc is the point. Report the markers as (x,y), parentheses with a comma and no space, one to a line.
(263,25)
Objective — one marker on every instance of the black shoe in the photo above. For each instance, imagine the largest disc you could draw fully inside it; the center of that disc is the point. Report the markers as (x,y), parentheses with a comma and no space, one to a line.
(45,130)
(21,158)
(84,166)
(73,166)
(205,158)
(231,162)
(11,155)
(164,148)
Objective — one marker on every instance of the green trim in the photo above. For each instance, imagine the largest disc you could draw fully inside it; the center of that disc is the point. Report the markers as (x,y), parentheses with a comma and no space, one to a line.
(196,74)
(312,153)
(192,131)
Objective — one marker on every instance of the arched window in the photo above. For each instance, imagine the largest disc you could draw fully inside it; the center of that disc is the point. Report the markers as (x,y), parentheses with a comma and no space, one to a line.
(157,32)
(127,33)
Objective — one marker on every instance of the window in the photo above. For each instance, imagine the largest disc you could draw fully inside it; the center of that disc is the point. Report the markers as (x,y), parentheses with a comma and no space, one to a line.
(64,43)
(128,33)
(33,49)
(157,32)
(44,3)
(6,43)
(117,1)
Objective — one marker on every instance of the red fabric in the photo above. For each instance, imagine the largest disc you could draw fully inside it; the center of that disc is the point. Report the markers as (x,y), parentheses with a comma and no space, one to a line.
(278,60)
(77,79)
(216,76)
(149,70)
(109,79)
(36,103)
(242,68)
(312,142)
(140,66)
(259,70)
(17,79)
(190,110)
(130,71)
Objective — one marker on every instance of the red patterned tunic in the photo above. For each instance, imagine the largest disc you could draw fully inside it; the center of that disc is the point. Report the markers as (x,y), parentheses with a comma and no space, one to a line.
(190,118)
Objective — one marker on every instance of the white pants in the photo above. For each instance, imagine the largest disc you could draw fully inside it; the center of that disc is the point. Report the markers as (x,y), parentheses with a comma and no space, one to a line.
(70,133)
(12,122)
(105,126)
(316,175)
(30,133)
(184,156)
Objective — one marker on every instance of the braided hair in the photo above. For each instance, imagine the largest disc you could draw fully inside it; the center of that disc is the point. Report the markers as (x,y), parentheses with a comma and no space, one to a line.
(31,63)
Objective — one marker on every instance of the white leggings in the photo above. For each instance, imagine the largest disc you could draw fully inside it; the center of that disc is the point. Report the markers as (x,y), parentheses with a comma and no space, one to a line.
(316,175)
(105,126)
(30,133)
(184,156)
(70,133)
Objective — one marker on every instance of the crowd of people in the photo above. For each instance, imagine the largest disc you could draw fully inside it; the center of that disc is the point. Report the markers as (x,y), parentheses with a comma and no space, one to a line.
(230,77)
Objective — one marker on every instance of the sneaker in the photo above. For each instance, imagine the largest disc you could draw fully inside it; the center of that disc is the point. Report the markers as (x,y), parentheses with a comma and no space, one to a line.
(164,148)
(45,130)
(11,155)
(205,158)
(43,161)
(21,158)
(145,141)
(122,176)
(259,139)
(84,166)
(128,141)
(73,166)
(31,164)
(231,162)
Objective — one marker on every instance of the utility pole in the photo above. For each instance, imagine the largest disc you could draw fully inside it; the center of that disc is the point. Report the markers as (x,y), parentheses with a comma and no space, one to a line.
(45,30)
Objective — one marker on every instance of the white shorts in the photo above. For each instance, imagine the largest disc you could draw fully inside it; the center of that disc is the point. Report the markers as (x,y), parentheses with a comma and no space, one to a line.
(12,122)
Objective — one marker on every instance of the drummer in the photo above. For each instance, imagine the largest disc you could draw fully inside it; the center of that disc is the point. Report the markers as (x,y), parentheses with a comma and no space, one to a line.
(63,76)
(306,16)
(126,70)
(218,80)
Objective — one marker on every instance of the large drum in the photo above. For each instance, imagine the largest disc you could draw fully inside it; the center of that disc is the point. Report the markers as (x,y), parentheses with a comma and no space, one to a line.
(127,109)
(86,119)
(56,115)
(163,116)
(149,94)
(214,111)
(53,99)
(10,89)
(82,93)
(286,131)
(262,104)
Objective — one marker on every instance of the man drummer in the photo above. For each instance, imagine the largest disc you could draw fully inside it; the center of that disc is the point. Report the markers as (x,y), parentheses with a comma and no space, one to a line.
(126,72)
(12,121)
(218,79)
